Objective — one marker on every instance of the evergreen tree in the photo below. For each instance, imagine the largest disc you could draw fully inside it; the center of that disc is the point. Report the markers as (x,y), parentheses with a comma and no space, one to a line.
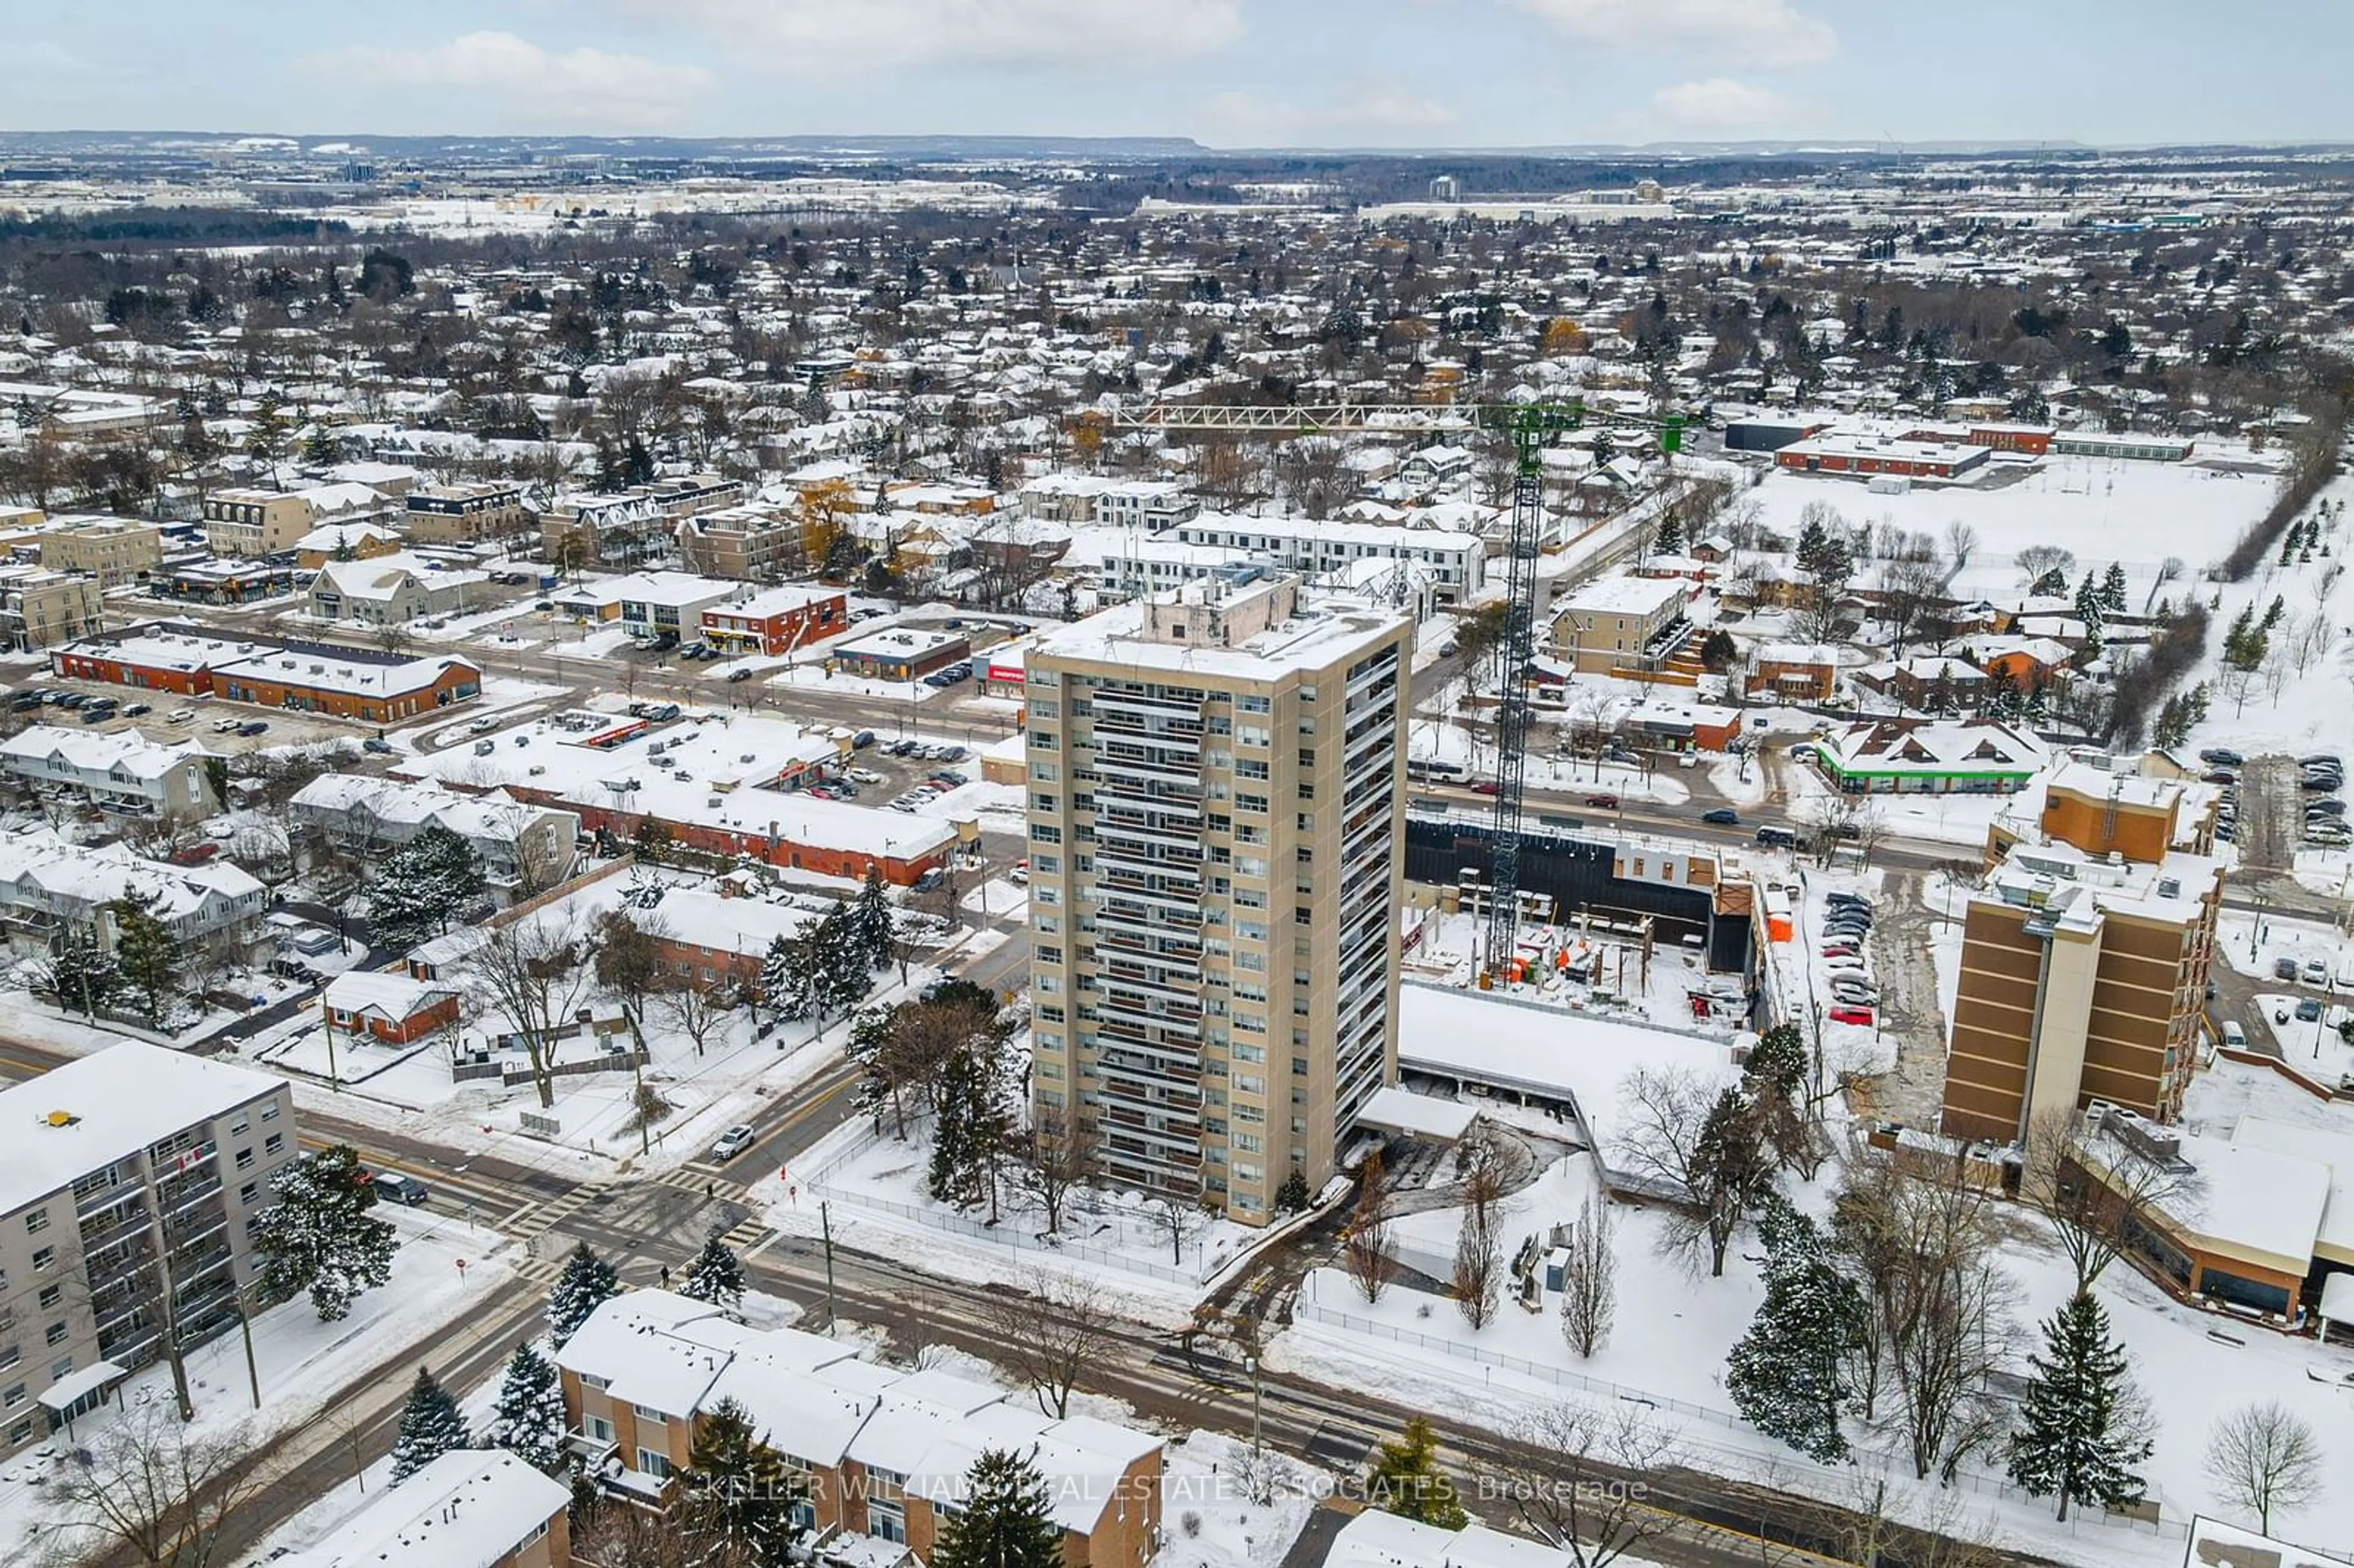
(319,1236)
(147,954)
(430,1426)
(955,1169)
(840,954)
(715,1276)
(1292,1196)
(2051,585)
(587,1283)
(875,924)
(423,886)
(1668,540)
(1788,1373)
(870,1038)
(785,977)
(2113,588)
(737,1490)
(1005,1520)
(1812,539)
(2072,1439)
(1406,1481)
(81,974)
(528,1420)
(2088,607)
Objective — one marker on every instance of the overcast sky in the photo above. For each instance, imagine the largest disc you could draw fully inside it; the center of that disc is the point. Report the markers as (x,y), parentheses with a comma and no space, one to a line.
(1399,73)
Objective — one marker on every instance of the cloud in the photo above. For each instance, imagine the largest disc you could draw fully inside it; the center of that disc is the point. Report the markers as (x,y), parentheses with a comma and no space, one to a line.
(1369,111)
(584,87)
(1720,106)
(829,38)
(1767,34)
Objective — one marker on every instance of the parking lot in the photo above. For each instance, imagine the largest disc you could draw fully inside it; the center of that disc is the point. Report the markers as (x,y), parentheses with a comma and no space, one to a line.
(228,728)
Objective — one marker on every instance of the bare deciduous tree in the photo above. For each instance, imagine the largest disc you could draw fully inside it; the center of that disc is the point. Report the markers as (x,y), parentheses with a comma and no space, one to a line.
(534,972)
(697,1008)
(1179,1221)
(1575,1472)
(1961,542)
(1589,1279)
(1062,1160)
(1704,1146)
(1478,1265)
(1050,1330)
(2094,1186)
(160,1493)
(1369,1251)
(2265,1459)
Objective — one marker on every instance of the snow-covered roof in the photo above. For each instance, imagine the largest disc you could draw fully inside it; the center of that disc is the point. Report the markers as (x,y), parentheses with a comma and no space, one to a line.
(1627,595)
(782,599)
(2251,1200)
(42,869)
(125,752)
(390,995)
(468,1508)
(118,1101)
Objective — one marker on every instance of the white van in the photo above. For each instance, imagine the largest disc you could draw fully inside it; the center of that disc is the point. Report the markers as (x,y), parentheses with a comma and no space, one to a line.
(2234,1037)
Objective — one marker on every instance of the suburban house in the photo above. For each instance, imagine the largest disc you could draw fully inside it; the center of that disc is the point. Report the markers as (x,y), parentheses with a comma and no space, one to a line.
(1794,672)
(1928,757)
(776,620)
(124,772)
(390,1007)
(882,1452)
(474,1508)
(1930,683)
(346,542)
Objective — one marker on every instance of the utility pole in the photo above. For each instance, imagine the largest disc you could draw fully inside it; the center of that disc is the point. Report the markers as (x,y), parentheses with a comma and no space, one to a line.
(1258,1444)
(167,1287)
(245,1331)
(825,1227)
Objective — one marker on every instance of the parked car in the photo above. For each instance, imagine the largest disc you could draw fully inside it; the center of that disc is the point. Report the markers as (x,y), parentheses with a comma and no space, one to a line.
(379,745)
(96,715)
(1722,816)
(928,881)
(73,699)
(137,710)
(1603,803)
(2316,972)
(732,1142)
(862,740)
(1851,1013)
(392,1187)
(179,716)
(2310,1011)
(2285,968)
(253,727)
(2220,757)
(482,725)
(1777,838)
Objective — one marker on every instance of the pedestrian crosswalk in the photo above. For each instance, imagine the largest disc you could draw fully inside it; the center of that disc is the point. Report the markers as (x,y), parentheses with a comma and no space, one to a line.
(531,1223)
(692,1178)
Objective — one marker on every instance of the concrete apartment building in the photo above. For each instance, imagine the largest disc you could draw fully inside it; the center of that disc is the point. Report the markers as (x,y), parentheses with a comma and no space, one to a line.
(630,527)
(2085,954)
(464,514)
(883,1453)
(40,608)
(1216,780)
(747,543)
(122,1171)
(109,550)
(1630,623)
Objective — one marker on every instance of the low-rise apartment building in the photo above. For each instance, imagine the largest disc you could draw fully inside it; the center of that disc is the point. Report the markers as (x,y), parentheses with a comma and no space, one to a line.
(747,543)
(51,887)
(521,847)
(127,1199)
(1458,560)
(123,773)
(395,590)
(630,527)
(464,514)
(247,522)
(883,1453)
(1621,623)
(111,549)
(40,608)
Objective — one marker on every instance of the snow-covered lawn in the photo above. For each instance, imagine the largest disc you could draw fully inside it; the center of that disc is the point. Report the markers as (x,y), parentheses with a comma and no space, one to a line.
(1207,1519)
(301,1362)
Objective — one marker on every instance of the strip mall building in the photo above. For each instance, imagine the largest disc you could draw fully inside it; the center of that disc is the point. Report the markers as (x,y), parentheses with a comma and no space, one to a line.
(302,677)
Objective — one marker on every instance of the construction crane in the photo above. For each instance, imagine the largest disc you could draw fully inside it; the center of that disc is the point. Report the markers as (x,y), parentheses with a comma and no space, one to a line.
(1531,427)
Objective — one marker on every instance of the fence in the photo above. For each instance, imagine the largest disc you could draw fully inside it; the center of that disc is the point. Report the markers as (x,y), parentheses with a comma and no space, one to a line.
(1308,1308)
(1010,1235)
(509,1074)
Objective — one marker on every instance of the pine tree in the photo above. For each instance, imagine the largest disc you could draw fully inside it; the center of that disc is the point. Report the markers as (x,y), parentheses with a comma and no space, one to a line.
(1406,1481)
(1786,1374)
(430,1426)
(715,1276)
(870,1037)
(1292,1196)
(785,976)
(2051,585)
(737,1490)
(877,924)
(147,954)
(81,974)
(2072,1439)
(529,1421)
(1005,1520)
(955,1163)
(2088,607)
(319,1236)
(422,885)
(2113,588)
(1811,539)
(1668,540)
(587,1283)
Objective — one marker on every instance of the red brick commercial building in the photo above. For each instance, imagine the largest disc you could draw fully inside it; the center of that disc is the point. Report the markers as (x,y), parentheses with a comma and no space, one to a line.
(777,620)
(1865,456)
(301,677)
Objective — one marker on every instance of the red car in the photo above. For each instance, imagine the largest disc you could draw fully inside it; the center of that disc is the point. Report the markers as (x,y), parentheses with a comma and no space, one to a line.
(1851,1015)
(1841,951)
(1607,802)
(1486,787)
